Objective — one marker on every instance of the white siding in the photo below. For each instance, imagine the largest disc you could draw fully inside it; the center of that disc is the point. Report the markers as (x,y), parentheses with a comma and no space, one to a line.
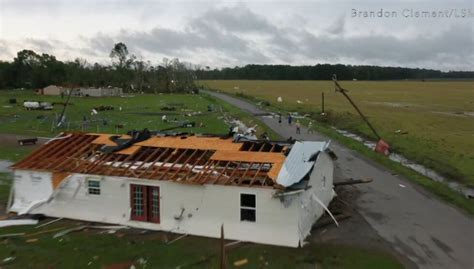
(206,207)
(30,188)
(321,182)
(279,221)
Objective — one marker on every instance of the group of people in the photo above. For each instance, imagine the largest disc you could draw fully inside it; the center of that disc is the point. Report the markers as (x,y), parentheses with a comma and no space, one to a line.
(297,124)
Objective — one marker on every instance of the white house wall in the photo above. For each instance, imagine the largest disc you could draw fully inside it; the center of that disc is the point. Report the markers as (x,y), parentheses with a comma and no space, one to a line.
(30,188)
(321,182)
(206,207)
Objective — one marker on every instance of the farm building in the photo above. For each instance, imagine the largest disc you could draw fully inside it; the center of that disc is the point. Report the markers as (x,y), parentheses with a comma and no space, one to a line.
(51,90)
(81,91)
(264,192)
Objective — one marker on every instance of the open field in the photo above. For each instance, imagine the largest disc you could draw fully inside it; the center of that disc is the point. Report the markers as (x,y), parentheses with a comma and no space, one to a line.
(437,117)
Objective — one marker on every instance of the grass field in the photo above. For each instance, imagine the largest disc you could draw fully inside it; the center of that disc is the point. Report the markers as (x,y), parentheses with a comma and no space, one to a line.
(437,117)
(138,112)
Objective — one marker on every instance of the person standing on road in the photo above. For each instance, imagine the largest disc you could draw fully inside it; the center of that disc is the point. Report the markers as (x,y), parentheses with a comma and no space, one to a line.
(279,118)
(290,119)
(298,127)
(310,127)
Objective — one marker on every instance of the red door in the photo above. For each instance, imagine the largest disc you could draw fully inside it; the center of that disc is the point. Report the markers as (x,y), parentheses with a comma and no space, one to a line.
(145,203)
(153,204)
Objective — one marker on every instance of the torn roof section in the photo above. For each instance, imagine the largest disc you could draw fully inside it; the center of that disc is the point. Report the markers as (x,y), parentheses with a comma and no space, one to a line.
(299,162)
(185,159)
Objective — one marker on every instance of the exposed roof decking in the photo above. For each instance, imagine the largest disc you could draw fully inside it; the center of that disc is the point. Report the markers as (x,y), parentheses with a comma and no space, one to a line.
(190,159)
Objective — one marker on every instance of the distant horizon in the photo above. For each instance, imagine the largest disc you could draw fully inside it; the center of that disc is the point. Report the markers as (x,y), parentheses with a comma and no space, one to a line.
(90,63)
(231,33)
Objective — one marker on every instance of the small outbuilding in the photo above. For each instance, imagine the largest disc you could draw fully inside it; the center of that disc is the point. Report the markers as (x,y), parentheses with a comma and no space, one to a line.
(52,90)
(262,191)
(81,91)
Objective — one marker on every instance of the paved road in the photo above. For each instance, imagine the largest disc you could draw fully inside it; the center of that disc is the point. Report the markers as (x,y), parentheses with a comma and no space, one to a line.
(420,227)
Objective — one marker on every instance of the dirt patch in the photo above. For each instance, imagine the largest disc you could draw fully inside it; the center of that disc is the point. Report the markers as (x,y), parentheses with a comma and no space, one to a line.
(12,140)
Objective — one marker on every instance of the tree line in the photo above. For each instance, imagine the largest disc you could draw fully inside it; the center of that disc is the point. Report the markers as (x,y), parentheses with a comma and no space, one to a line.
(326,71)
(31,70)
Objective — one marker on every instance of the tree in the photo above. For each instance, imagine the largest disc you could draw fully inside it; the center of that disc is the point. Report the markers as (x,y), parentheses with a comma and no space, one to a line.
(120,56)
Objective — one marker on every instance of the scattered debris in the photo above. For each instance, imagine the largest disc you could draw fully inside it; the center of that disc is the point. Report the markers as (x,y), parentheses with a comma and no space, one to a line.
(45,231)
(123,265)
(168,108)
(328,221)
(35,105)
(27,141)
(232,244)
(48,223)
(17,222)
(103,108)
(32,240)
(80,228)
(401,132)
(8,260)
(353,181)
(241,262)
(11,235)
(176,239)
(64,232)
(402,186)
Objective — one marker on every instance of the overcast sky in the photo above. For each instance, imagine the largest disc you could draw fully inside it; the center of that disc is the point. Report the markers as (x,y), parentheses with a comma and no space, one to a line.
(230,33)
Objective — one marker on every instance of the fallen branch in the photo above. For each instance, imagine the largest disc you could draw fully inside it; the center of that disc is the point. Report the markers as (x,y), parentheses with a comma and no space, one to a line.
(352,182)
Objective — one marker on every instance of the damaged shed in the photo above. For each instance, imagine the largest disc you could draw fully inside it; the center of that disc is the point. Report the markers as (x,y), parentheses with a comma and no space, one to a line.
(263,192)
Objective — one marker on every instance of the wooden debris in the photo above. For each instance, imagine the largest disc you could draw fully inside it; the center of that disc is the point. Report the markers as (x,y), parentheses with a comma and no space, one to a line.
(328,221)
(64,232)
(11,235)
(48,223)
(176,239)
(45,231)
(32,240)
(241,262)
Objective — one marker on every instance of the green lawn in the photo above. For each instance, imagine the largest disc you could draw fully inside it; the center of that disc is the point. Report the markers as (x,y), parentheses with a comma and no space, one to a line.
(90,249)
(137,113)
(438,117)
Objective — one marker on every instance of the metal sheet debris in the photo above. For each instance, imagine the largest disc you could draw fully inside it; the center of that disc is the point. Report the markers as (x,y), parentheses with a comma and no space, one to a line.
(17,222)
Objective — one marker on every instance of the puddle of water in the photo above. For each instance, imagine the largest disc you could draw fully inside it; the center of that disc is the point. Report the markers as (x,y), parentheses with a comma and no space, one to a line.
(466,191)
(455,114)
(4,166)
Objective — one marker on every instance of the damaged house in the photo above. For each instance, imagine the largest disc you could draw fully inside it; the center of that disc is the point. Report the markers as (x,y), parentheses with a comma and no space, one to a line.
(263,192)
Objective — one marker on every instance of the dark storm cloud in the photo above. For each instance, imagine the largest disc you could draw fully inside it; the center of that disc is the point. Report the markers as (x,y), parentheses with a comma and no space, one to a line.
(242,36)
(237,35)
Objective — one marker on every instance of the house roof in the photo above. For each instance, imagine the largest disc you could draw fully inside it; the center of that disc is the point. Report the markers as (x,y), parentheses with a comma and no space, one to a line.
(185,159)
